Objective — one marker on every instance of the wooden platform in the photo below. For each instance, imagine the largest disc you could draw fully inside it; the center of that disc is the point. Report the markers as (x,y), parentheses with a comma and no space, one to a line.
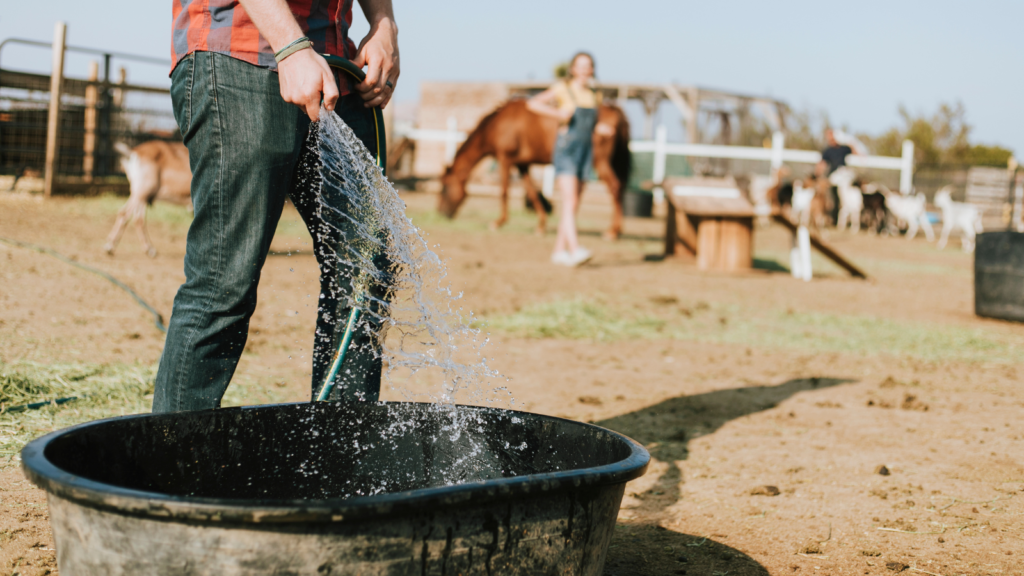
(710,220)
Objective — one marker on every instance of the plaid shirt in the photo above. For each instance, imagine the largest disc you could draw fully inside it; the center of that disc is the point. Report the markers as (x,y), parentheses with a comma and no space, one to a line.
(223,26)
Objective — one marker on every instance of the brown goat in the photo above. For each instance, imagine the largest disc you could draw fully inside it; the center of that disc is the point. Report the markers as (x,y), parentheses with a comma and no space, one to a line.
(156,170)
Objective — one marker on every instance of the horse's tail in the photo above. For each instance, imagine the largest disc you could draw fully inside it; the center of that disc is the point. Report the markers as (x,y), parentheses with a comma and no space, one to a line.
(622,159)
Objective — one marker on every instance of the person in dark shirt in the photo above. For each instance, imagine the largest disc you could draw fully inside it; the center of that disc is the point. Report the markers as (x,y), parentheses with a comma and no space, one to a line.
(831,159)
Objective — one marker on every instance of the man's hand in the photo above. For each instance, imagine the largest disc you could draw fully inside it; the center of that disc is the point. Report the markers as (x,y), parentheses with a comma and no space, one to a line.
(305,76)
(379,53)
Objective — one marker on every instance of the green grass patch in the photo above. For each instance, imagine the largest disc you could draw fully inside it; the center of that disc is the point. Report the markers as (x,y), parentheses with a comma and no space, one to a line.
(103,390)
(576,319)
(476,218)
(805,331)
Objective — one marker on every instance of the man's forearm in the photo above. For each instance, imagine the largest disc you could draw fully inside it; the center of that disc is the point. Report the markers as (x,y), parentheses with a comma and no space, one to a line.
(275,21)
(377,11)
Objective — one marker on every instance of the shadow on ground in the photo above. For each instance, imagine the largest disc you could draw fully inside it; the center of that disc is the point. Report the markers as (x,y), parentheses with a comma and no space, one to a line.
(666,429)
(645,550)
(770,265)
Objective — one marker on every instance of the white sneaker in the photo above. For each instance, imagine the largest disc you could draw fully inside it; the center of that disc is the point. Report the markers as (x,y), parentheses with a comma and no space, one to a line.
(562,258)
(580,257)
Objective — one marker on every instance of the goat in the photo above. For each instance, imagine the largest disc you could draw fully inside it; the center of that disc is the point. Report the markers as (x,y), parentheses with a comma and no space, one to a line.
(958,214)
(851,201)
(873,215)
(156,170)
(810,206)
(908,209)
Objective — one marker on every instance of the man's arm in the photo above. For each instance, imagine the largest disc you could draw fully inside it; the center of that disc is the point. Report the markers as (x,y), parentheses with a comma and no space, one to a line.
(305,75)
(379,53)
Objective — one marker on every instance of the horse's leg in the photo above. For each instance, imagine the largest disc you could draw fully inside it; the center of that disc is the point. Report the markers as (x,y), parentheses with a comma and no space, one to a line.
(611,181)
(534,197)
(504,169)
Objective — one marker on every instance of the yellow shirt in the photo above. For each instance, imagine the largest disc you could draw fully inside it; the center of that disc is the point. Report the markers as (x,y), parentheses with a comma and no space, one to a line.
(569,97)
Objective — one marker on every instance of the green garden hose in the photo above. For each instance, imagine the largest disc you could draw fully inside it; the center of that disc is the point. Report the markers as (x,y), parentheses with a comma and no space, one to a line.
(344,65)
(381,158)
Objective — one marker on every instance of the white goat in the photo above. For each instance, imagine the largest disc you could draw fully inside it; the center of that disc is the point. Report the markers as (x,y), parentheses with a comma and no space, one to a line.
(156,170)
(909,209)
(851,201)
(961,215)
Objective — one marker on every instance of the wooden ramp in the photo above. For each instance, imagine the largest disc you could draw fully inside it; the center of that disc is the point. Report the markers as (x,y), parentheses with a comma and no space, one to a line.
(824,247)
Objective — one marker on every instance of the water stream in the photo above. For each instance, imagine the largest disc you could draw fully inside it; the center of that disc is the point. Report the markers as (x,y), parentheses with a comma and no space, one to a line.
(431,352)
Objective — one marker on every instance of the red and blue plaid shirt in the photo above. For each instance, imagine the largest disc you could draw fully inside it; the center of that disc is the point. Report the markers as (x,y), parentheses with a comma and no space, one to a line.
(224,27)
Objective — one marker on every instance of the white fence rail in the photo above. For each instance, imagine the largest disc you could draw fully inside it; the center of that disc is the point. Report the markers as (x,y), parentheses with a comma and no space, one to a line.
(776,155)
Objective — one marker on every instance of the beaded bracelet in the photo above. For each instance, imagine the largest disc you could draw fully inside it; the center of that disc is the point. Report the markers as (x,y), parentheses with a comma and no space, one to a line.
(295,46)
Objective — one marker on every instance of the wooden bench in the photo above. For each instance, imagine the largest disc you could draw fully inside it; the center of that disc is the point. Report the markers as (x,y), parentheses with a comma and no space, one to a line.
(710,220)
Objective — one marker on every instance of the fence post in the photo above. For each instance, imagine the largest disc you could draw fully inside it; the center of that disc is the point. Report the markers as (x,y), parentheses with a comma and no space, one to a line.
(907,168)
(60,32)
(660,138)
(451,140)
(778,142)
(89,146)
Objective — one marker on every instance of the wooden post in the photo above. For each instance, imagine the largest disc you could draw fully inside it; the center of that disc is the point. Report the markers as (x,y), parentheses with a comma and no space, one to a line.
(778,144)
(693,99)
(907,168)
(660,138)
(122,79)
(451,142)
(60,32)
(1011,170)
(89,146)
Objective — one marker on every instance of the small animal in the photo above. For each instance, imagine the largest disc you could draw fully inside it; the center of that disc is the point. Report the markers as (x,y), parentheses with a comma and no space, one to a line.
(961,215)
(851,201)
(809,203)
(156,170)
(778,196)
(873,216)
(909,210)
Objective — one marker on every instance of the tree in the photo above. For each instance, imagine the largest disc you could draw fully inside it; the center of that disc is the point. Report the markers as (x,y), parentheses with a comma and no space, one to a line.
(940,139)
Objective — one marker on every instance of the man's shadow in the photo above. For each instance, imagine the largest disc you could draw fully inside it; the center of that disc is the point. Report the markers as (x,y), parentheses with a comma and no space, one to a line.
(666,429)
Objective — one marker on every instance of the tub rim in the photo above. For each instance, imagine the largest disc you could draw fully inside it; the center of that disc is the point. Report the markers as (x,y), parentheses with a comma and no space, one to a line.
(80,490)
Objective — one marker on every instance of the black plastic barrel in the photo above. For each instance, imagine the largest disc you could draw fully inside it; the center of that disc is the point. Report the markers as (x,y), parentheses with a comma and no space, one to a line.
(328,488)
(638,203)
(999,276)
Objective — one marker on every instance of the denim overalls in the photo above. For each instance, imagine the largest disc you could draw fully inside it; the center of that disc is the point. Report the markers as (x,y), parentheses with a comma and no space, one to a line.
(574,149)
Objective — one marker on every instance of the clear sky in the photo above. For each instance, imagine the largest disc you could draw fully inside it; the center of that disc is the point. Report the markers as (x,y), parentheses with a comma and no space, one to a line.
(858,60)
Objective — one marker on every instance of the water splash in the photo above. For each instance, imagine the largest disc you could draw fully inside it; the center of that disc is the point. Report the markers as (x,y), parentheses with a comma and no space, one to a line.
(399,281)
(429,348)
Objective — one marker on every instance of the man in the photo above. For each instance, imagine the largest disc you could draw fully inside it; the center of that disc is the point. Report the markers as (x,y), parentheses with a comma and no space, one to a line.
(831,159)
(247,80)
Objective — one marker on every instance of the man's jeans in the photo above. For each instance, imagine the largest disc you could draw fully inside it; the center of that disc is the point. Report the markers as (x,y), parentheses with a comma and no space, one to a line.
(244,144)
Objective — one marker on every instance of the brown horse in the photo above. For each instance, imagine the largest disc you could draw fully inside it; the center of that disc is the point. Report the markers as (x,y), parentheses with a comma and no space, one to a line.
(518,137)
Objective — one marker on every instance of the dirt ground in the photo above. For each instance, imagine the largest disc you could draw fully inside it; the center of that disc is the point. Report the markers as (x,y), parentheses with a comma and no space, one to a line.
(838,426)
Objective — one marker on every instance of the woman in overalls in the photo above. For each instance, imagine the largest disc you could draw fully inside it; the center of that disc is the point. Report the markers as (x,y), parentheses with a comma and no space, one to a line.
(574,103)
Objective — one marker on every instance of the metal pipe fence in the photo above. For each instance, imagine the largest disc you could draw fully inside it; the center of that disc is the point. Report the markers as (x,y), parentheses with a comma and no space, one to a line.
(94,114)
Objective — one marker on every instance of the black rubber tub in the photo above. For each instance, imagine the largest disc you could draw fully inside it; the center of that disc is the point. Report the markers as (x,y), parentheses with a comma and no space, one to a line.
(999,276)
(328,488)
